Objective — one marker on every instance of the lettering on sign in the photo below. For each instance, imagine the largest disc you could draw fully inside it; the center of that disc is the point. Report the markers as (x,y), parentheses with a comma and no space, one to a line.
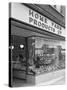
(44,23)
(27,15)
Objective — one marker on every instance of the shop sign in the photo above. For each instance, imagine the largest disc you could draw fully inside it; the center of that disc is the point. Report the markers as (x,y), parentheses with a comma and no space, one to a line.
(27,15)
(44,23)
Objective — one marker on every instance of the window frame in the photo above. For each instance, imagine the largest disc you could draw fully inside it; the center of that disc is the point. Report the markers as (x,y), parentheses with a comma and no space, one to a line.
(57,10)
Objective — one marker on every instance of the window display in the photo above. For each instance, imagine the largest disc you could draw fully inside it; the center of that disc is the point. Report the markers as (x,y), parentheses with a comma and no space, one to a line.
(45,55)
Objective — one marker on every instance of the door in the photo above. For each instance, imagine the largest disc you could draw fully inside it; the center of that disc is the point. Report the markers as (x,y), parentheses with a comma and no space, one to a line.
(19,60)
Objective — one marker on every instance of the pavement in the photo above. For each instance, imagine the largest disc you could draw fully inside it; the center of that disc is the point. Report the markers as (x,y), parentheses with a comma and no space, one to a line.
(60,82)
(57,81)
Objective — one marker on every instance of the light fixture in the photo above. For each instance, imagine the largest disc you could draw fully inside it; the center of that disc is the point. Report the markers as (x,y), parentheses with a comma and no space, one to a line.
(21,46)
(12,47)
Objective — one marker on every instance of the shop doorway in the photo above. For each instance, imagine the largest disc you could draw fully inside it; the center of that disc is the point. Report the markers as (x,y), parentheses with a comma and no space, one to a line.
(19,57)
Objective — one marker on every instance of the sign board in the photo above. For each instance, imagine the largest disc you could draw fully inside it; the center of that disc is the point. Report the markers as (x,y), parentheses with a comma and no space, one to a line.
(27,15)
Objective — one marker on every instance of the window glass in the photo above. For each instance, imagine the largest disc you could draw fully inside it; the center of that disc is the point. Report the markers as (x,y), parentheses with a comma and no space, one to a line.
(31,49)
(45,55)
(18,53)
(60,9)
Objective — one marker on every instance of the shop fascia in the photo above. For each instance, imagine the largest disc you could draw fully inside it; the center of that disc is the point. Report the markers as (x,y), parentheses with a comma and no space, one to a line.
(28,15)
(43,22)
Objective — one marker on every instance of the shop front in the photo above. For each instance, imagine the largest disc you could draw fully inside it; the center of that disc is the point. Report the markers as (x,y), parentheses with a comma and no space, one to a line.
(38,44)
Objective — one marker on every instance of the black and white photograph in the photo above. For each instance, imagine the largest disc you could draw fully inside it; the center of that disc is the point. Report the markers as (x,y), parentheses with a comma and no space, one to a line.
(36,44)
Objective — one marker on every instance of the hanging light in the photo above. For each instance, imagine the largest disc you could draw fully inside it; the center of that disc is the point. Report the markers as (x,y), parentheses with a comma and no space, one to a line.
(12,47)
(21,46)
